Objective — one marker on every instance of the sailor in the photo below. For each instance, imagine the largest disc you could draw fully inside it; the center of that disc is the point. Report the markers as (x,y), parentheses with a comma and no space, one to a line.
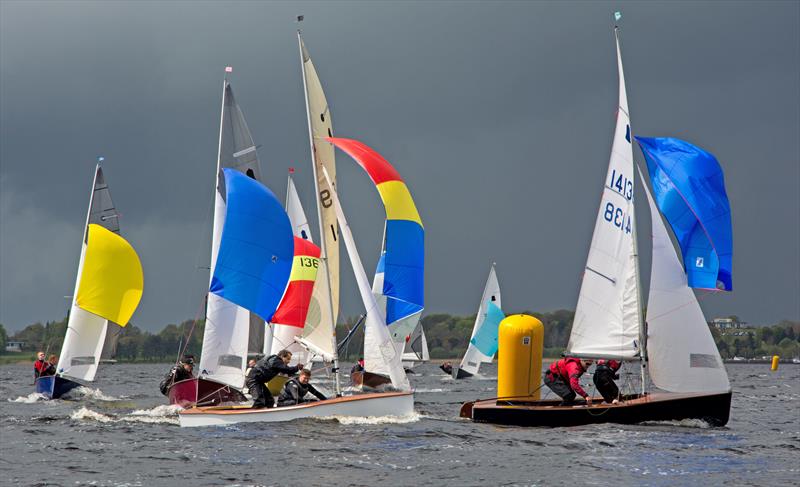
(358,366)
(40,366)
(264,371)
(181,371)
(295,390)
(447,368)
(52,361)
(563,378)
(604,375)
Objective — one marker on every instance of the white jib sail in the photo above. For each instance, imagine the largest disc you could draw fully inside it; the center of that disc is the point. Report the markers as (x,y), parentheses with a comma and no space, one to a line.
(607,316)
(681,351)
(491,293)
(320,126)
(384,350)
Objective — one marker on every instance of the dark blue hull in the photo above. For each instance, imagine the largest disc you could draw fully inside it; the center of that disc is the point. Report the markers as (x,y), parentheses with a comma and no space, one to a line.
(53,386)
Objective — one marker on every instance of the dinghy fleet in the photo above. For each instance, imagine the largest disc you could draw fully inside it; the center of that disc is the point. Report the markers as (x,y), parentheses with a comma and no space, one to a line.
(274,286)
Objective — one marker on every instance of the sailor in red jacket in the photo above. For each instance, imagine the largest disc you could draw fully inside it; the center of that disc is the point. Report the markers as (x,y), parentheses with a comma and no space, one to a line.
(604,375)
(563,378)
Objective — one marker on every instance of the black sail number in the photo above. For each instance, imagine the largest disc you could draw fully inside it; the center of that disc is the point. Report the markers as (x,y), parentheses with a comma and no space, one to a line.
(325,198)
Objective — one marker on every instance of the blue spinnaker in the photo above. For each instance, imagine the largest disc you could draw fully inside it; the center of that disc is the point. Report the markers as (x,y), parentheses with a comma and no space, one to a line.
(689,188)
(485,340)
(256,248)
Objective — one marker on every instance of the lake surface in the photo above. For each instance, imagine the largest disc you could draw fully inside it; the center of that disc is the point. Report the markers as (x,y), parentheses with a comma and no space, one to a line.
(121,433)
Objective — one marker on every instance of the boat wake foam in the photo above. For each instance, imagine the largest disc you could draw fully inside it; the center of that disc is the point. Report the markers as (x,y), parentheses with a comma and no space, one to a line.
(85,413)
(159,414)
(430,390)
(351,420)
(29,399)
(685,423)
(96,394)
(166,413)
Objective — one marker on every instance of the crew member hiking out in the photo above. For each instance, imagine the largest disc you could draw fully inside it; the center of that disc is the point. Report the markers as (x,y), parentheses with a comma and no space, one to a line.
(604,375)
(295,390)
(263,372)
(177,373)
(563,378)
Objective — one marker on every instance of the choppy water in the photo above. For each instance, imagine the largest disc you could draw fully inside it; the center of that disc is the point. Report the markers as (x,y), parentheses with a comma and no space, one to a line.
(121,433)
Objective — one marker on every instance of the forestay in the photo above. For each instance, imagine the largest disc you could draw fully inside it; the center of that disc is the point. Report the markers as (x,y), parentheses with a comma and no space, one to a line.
(483,348)
(689,187)
(607,316)
(681,351)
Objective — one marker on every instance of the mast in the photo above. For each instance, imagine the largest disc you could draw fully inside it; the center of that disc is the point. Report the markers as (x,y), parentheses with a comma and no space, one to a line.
(642,330)
(322,245)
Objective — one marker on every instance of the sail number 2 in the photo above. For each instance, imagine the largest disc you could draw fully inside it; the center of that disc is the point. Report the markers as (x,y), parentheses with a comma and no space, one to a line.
(618,217)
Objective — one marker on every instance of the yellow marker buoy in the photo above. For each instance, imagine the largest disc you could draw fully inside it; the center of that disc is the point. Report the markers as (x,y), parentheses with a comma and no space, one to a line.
(775,360)
(520,341)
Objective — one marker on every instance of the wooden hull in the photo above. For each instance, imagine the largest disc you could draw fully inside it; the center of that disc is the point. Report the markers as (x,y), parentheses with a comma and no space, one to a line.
(711,408)
(53,386)
(362,405)
(210,393)
(368,379)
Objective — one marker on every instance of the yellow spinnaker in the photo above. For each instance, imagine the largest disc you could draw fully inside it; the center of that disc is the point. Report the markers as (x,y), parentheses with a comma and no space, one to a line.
(112,280)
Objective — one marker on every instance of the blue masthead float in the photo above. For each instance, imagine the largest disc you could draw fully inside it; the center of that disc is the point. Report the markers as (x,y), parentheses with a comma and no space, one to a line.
(256,249)
(689,188)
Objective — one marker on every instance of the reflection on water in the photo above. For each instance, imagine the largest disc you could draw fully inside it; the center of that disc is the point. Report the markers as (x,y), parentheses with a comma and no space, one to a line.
(120,431)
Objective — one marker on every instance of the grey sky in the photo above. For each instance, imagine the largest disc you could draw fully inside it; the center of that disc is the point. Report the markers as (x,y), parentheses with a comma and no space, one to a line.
(498,115)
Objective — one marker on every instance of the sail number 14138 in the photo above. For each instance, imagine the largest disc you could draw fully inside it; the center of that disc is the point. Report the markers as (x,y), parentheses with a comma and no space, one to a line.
(621,184)
(617,217)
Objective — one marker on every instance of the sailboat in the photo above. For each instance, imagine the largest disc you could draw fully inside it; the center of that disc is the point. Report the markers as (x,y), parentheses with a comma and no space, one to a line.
(231,331)
(325,295)
(415,349)
(483,341)
(675,345)
(108,289)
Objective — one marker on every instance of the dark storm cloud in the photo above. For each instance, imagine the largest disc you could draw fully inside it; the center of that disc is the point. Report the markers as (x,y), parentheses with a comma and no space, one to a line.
(498,115)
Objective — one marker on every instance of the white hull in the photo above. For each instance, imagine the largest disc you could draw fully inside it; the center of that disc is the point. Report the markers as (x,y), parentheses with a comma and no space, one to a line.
(363,405)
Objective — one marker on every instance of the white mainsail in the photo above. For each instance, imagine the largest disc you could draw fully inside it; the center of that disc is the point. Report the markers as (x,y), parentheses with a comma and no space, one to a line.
(227,328)
(608,314)
(681,351)
(320,126)
(491,294)
(388,355)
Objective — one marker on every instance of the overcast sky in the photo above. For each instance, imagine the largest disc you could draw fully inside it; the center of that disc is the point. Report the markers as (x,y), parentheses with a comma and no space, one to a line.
(499,116)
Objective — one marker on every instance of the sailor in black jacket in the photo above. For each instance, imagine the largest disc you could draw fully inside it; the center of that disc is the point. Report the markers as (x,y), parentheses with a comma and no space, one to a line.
(264,371)
(295,390)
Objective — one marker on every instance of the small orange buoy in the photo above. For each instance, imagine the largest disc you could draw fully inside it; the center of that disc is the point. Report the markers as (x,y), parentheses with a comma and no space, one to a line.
(775,360)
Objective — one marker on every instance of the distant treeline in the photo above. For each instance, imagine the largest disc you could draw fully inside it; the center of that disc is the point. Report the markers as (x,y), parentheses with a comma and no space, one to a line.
(447,337)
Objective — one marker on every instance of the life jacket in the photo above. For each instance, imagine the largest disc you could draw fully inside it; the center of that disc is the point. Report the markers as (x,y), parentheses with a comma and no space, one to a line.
(611,364)
(560,368)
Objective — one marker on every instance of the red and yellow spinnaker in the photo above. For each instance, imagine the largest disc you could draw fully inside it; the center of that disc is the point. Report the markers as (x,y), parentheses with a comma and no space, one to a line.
(294,305)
